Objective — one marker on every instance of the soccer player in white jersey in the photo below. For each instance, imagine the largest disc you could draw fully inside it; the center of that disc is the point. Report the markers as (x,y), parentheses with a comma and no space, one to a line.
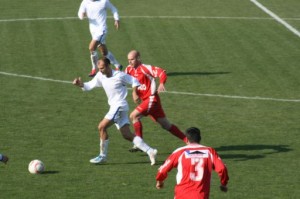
(95,11)
(114,83)
(194,163)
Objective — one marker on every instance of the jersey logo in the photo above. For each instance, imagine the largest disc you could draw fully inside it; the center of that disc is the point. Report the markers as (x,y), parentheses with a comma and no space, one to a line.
(142,87)
(196,154)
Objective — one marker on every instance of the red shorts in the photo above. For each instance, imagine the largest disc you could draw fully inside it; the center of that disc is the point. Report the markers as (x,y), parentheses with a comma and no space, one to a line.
(152,107)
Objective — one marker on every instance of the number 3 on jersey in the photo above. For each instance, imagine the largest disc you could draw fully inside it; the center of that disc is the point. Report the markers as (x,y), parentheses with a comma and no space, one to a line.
(196,173)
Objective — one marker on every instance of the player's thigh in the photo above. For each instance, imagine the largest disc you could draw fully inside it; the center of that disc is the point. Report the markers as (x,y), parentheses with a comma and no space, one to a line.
(93,45)
(100,37)
(157,112)
(118,115)
(121,119)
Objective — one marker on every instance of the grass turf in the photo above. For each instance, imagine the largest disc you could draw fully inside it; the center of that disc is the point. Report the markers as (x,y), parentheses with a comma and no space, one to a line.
(56,122)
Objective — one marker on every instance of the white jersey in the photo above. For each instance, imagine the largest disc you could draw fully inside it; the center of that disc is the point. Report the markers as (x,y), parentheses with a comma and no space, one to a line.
(96,14)
(114,86)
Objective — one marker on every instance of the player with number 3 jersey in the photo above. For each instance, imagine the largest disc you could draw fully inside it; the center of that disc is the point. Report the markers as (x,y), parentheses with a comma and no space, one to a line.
(194,163)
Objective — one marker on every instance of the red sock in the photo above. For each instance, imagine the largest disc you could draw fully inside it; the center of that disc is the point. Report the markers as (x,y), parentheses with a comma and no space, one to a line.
(176,132)
(138,128)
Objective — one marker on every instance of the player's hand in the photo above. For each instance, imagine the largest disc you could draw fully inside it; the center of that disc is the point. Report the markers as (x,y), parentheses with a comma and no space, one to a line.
(117,24)
(161,88)
(223,188)
(78,82)
(159,184)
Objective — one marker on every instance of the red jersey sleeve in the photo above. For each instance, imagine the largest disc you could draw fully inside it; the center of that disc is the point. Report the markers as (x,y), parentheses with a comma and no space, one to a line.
(169,164)
(160,73)
(220,168)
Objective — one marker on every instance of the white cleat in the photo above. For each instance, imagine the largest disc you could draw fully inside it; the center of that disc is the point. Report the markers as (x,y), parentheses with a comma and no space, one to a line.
(99,159)
(152,155)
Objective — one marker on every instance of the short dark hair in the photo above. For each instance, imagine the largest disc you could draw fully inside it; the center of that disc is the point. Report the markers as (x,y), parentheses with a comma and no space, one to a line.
(106,61)
(193,135)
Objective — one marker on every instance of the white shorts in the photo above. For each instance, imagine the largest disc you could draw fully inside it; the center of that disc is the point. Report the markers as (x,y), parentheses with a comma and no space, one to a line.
(118,116)
(99,36)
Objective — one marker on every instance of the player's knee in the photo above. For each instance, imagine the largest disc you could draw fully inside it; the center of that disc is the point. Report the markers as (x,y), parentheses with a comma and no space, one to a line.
(92,48)
(101,127)
(132,117)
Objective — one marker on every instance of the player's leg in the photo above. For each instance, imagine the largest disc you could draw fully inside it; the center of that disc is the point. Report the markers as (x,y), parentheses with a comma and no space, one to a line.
(173,129)
(94,56)
(108,54)
(104,141)
(135,117)
(122,123)
(139,143)
(159,116)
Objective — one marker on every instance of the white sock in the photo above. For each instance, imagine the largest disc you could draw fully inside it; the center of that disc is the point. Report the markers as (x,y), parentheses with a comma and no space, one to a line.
(94,59)
(139,142)
(104,147)
(112,59)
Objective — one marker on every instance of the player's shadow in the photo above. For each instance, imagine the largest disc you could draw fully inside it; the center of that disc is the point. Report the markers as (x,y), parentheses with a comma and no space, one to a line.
(248,152)
(170,74)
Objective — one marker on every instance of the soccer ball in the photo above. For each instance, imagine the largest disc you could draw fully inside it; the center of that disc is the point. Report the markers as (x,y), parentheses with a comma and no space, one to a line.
(36,167)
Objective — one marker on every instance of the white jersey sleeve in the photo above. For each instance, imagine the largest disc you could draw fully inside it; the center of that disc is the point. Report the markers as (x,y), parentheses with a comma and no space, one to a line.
(113,10)
(130,80)
(95,82)
(82,10)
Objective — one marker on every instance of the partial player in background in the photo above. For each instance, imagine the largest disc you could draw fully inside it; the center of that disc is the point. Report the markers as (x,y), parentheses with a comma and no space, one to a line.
(95,11)
(114,84)
(3,158)
(194,163)
(149,101)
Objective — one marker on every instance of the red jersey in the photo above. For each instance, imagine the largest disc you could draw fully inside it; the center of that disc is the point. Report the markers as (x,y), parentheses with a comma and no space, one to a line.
(194,163)
(146,75)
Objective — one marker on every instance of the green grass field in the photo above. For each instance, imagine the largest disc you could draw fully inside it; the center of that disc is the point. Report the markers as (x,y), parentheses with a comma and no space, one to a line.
(233,71)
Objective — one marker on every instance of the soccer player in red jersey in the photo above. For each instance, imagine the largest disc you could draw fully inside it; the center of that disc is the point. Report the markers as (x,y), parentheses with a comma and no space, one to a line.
(148,99)
(194,163)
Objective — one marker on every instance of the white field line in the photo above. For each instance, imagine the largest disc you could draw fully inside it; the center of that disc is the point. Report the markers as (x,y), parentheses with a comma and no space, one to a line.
(277,18)
(32,77)
(148,17)
(171,92)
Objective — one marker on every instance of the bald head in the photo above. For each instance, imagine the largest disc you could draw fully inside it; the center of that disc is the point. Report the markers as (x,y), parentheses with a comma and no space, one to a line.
(134,58)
